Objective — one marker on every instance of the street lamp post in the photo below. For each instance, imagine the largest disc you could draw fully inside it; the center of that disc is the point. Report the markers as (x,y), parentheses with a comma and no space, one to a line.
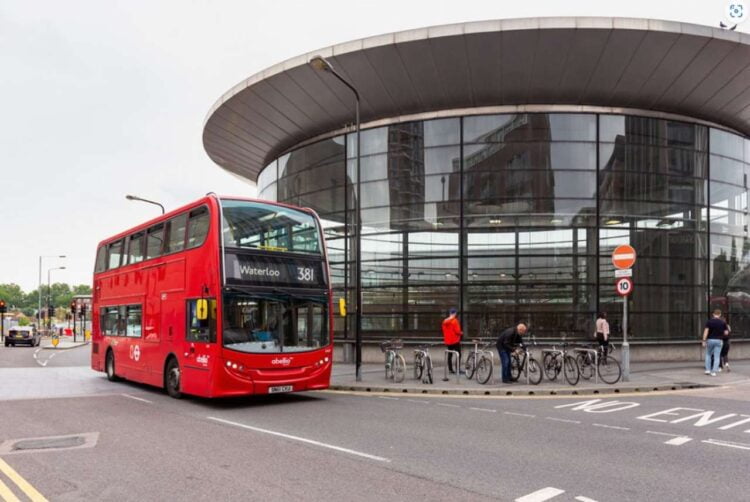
(39,290)
(321,64)
(134,197)
(49,295)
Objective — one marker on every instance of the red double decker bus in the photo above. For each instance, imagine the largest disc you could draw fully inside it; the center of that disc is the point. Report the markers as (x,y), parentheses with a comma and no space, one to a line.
(221,297)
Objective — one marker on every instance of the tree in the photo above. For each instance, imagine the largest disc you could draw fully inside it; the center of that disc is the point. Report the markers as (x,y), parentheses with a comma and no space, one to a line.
(13,295)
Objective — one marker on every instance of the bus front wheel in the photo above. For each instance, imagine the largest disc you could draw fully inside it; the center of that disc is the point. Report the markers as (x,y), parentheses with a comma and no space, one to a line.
(172,379)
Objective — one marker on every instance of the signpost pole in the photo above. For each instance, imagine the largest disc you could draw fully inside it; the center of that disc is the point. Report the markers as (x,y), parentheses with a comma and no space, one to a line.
(625,344)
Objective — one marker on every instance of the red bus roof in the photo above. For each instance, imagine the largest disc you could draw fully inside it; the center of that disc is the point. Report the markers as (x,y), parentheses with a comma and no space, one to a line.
(191,205)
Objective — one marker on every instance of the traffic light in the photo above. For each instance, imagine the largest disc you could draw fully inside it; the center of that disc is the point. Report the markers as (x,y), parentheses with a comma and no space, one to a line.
(3,307)
(50,312)
(72,307)
(83,310)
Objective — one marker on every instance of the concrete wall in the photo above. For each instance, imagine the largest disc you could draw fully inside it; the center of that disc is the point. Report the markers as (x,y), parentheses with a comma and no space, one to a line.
(639,352)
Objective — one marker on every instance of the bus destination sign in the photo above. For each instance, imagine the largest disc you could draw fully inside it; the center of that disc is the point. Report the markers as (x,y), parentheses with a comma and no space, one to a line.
(273,271)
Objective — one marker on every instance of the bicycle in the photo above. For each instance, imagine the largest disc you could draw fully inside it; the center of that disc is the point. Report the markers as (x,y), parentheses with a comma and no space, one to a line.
(479,362)
(525,362)
(423,364)
(395,364)
(607,367)
(558,360)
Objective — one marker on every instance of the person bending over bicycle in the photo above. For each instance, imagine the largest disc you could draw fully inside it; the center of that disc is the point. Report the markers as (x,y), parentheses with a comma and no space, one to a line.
(508,341)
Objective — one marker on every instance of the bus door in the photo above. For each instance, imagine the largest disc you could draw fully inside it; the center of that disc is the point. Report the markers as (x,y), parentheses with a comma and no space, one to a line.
(199,343)
(150,350)
(131,346)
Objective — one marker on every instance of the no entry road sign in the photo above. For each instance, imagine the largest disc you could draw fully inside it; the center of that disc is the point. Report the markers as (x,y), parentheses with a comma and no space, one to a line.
(624,286)
(623,256)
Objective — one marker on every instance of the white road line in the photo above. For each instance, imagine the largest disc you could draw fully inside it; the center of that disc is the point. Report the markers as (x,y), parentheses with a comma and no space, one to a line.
(484,409)
(678,441)
(565,420)
(137,398)
(663,434)
(448,405)
(519,415)
(581,498)
(612,427)
(389,398)
(418,401)
(541,495)
(729,444)
(301,439)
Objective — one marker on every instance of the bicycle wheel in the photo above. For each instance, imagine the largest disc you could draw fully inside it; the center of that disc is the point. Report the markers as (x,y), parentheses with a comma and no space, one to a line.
(585,366)
(427,361)
(609,370)
(570,370)
(551,366)
(535,371)
(515,367)
(399,368)
(418,365)
(484,370)
(470,366)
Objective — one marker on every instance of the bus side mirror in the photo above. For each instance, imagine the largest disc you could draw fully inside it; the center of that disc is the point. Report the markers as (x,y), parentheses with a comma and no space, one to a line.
(342,307)
(201,309)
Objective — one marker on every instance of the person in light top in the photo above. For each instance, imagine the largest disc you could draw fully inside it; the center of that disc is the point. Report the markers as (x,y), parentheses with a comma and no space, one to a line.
(602,332)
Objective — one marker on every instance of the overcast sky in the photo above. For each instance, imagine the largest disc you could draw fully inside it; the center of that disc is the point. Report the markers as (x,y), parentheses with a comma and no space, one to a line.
(103,98)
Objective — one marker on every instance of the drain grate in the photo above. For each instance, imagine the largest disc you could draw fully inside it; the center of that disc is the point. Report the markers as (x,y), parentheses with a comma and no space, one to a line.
(47,443)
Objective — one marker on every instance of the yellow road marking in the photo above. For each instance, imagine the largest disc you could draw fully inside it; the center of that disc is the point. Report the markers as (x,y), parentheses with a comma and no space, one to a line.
(6,495)
(24,485)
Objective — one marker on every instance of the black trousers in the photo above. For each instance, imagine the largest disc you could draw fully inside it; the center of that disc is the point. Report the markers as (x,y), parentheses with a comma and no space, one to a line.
(603,343)
(725,352)
(451,365)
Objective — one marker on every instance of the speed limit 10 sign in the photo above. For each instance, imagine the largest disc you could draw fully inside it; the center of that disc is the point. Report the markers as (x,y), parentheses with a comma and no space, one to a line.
(624,286)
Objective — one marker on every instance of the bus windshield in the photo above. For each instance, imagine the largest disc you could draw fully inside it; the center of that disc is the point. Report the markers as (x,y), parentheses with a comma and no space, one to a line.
(254,225)
(274,323)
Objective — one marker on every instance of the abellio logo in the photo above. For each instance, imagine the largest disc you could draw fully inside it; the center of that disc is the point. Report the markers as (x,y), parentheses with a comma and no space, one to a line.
(282,361)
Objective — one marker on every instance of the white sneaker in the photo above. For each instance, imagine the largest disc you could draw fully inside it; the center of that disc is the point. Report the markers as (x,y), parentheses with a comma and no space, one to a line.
(719,370)
(713,374)
(707,372)
(727,367)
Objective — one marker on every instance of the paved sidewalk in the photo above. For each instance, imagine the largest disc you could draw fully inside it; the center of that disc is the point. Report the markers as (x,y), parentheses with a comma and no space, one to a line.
(65,343)
(644,377)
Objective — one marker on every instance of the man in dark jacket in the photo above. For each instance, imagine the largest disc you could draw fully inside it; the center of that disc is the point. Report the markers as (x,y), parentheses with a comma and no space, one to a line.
(508,341)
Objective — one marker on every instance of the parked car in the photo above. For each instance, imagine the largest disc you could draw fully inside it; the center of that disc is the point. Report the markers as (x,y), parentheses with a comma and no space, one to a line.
(23,334)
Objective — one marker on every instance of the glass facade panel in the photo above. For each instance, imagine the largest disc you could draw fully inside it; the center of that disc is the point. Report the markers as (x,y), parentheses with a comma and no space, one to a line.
(520,220)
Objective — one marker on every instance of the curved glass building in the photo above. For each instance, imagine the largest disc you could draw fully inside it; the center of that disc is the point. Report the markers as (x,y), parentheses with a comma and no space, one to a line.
(502,162)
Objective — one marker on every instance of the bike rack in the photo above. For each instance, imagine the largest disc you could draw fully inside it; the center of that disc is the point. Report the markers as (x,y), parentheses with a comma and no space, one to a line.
(596,361)
(445,365)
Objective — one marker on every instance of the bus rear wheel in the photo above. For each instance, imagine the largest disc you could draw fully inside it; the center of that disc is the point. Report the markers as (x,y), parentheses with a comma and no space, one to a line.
(109,366)
(172,379)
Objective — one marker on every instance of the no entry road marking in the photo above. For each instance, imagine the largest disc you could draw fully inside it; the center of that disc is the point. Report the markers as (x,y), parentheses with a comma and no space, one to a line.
(301,439)
(728,444)
(678,441)
(541,495)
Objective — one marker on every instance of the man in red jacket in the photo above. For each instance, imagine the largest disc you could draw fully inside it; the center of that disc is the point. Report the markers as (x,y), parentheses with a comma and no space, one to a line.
(452,337)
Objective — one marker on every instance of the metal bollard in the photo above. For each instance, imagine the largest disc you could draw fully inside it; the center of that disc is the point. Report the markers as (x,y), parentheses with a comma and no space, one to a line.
(445,365)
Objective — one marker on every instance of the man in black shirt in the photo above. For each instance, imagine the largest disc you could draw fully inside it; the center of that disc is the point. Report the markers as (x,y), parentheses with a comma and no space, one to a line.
(507,342)
(713,334)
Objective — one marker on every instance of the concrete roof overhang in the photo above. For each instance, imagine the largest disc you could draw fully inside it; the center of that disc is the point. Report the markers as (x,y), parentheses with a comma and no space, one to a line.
(661,66)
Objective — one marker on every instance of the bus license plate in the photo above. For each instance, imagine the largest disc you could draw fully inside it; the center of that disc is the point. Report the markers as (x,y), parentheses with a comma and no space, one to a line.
(280,388)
